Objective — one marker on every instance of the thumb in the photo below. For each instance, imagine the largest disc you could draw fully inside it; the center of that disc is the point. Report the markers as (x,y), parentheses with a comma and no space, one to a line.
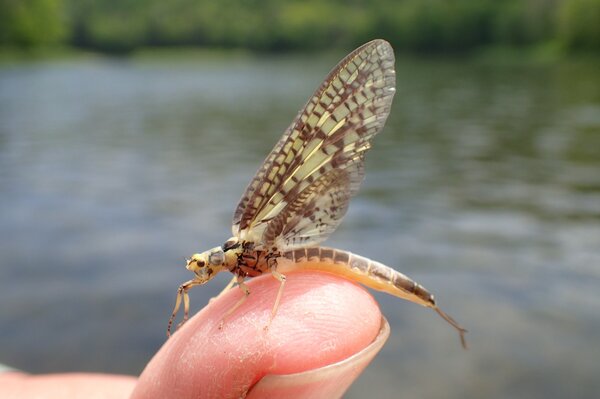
(326,331)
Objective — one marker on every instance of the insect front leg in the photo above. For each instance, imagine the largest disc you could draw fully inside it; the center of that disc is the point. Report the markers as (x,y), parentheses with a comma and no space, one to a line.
(182,292)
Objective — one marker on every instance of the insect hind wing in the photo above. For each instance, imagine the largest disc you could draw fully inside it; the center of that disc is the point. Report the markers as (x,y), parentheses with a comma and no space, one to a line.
(316,212)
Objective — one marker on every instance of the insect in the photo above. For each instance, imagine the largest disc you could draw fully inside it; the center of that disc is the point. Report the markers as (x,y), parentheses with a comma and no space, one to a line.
(301,192)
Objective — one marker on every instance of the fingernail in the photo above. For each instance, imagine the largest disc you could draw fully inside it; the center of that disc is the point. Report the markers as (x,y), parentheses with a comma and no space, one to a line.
(328,382)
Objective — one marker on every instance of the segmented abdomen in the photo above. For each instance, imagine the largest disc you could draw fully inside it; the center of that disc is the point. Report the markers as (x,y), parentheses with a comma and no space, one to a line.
(357,268)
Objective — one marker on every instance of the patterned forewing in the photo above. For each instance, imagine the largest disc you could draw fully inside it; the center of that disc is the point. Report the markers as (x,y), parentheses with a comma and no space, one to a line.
(332,132)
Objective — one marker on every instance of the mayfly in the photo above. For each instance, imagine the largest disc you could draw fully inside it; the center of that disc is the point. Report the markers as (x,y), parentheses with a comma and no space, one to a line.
(301,192)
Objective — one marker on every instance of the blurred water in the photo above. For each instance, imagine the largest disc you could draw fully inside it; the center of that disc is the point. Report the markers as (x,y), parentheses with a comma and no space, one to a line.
(484,187)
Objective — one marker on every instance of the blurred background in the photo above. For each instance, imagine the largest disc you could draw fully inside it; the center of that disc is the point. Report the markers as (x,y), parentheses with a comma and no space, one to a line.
(129,129)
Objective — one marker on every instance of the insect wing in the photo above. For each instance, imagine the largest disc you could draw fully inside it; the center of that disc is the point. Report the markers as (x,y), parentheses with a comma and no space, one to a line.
(320,155)
(317,210)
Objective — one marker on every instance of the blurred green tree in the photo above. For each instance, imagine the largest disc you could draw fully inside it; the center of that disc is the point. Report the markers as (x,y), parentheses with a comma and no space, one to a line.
(423,26)
(31,23)
(579,25)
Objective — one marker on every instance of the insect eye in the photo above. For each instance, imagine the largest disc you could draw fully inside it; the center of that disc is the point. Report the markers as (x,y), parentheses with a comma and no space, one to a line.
(216,258)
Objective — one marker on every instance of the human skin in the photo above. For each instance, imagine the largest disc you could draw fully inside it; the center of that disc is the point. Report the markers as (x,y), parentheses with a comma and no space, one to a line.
(325,331)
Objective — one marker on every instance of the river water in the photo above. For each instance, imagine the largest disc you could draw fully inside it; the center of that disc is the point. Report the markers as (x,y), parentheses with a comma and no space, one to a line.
(484,187)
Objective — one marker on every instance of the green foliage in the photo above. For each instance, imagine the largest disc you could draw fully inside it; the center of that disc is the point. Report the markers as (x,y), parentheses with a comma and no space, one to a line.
(30,23)
(438,25)
(425,26)
(321,24)
(518,22)
(579,24)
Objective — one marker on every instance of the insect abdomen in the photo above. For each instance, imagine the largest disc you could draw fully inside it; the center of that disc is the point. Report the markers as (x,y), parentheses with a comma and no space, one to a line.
(356,268)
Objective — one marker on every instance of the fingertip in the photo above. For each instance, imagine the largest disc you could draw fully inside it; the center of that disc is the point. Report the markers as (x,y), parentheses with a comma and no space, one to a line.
(327,382)
(322,320)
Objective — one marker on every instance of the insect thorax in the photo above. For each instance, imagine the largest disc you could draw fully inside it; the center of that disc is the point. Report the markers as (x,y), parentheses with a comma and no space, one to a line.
(242,259)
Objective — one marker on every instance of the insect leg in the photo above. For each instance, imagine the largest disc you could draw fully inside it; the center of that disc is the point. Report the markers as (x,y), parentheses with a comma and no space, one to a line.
(182,292)
(225,290)
(245,290)
(281,278)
